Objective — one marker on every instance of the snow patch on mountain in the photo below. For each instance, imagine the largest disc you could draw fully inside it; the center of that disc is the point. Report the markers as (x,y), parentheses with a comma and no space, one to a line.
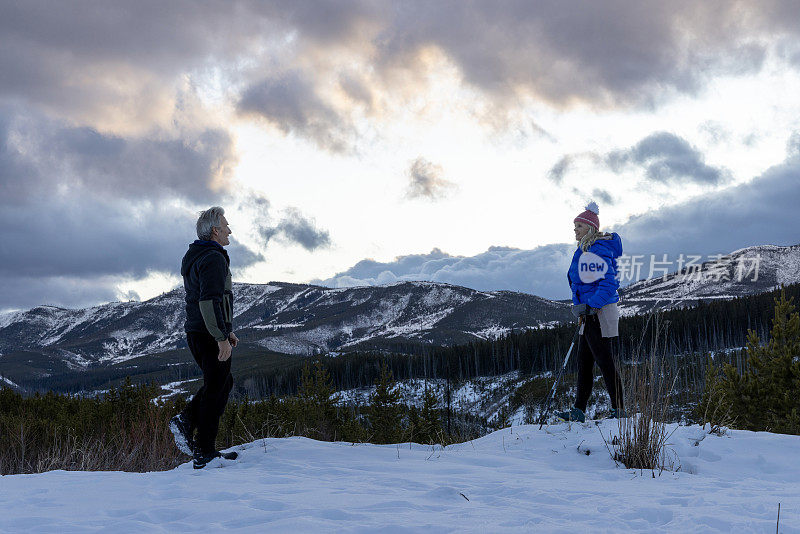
(492,332)
(8,382)
(127,344)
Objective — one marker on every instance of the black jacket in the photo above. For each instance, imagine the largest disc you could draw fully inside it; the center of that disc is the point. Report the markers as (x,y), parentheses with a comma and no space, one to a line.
(207,279)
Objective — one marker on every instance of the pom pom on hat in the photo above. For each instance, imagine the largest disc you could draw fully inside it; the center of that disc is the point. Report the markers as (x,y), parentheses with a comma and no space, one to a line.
(590,216)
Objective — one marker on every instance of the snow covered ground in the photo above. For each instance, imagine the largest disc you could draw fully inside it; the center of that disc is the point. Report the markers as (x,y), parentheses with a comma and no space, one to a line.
(561,479)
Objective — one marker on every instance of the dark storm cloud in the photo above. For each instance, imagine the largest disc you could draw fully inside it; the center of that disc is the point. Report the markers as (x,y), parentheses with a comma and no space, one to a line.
(557,171)
(753,213)
(40,157)
(291,104)
(87,237)
(98,60)
(793,145)
(666,158)
(426,181)
(82,57)
(25,292)
(603,196)
(601,52)
(73,252)
(87,207)
(48,50)
(357,90)
(750,214)
(567,163)
(294,227)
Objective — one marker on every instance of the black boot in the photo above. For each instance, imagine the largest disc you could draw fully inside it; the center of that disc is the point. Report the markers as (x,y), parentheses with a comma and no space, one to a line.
(228,455)
(182,430)
(201,458)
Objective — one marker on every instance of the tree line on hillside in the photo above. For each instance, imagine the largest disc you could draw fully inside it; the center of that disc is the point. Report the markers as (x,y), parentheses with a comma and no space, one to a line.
(707,327)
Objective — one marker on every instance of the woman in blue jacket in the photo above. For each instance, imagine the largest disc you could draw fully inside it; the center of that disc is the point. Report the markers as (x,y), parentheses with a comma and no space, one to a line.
(592,277)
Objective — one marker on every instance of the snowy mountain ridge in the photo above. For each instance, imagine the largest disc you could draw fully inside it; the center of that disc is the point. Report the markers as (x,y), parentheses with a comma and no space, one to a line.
(302,319)
(282,317)
(746,271)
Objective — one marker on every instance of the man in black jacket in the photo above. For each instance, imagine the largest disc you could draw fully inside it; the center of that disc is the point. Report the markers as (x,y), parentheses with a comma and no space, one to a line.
(209,334)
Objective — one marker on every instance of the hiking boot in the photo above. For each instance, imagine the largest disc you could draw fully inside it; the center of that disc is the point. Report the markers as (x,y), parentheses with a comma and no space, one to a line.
(182,430)
(228,455)
(574,414)
(200,458)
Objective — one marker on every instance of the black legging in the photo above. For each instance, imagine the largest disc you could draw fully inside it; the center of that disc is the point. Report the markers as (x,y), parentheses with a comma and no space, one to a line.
(208,404)
(596,348)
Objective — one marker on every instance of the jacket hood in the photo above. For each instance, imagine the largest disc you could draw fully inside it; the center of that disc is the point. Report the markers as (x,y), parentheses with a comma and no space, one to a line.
(198,249)
(612,244)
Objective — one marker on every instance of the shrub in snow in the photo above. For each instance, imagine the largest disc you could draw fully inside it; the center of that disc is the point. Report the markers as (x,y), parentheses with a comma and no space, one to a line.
(648,385)
(122,429)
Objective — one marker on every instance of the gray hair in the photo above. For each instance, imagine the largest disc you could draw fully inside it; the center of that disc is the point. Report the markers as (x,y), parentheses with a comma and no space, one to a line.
(210,218)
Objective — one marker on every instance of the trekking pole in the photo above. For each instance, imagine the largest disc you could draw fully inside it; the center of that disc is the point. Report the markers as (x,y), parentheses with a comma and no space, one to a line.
(550,396)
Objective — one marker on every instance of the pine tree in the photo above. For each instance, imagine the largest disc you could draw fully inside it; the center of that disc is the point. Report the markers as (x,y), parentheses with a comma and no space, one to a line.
(317,407)
(766,396)
(414,426)
(384,409)
(430,425)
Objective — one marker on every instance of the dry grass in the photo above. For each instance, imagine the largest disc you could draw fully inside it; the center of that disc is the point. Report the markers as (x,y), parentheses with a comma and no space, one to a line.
(648,385)
(126,432)
(144,448)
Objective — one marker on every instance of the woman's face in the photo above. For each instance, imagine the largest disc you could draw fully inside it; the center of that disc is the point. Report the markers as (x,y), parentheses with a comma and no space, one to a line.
(581,230)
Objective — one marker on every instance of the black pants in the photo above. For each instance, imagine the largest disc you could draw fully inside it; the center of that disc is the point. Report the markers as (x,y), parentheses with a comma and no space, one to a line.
(208,404)
(596,348)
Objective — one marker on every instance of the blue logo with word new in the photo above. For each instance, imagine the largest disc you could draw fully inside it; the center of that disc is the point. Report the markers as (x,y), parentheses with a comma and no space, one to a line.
(591,267)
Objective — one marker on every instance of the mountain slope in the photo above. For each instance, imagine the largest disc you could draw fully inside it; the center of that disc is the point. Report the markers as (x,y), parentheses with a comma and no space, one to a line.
(747,271)
(278,317)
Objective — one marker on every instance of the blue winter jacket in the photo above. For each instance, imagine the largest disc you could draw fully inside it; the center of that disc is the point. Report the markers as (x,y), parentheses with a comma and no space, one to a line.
(592,276)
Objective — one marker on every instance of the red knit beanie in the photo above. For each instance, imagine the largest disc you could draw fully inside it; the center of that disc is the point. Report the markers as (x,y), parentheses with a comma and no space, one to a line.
(590,216)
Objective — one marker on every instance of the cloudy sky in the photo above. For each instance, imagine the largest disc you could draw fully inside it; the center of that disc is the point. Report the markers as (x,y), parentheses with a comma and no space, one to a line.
(369,142)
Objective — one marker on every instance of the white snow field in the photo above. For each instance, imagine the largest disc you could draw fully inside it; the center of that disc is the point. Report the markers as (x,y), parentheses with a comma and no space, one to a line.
(519,479)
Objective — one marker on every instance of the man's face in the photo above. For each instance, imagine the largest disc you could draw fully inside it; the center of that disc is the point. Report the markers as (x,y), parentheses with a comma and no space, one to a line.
(221,233)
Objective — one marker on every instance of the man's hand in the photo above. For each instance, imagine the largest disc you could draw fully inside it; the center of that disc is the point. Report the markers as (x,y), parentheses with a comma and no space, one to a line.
(233,339)
(224,350)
